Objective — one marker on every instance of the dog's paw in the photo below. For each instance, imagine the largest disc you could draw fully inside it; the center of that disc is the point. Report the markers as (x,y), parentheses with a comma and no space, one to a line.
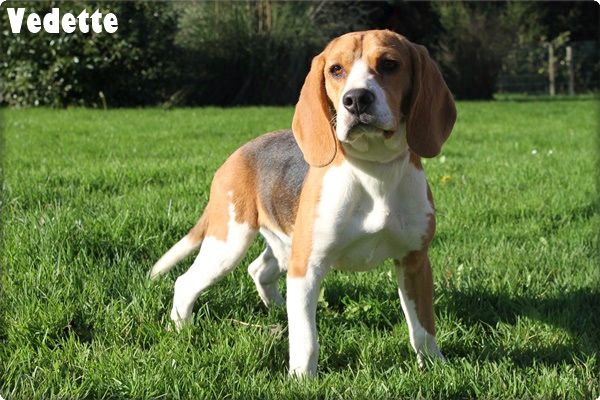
(425,360)
(302,373)
(177,323)
(429,354)
(276,301)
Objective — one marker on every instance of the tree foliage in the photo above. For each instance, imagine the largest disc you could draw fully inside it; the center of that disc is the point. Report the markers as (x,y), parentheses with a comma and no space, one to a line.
(188,53)
(258,52)
(255,52)
(477,37)
(128,67)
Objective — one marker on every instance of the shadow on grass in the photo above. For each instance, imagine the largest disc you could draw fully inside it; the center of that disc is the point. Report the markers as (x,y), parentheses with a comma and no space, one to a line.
(574,311)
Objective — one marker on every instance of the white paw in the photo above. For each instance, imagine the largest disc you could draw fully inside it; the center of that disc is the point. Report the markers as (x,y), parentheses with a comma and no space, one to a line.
(429,353)
(303,363)
(275,300)
(178,321)
(302,373)
(270,295)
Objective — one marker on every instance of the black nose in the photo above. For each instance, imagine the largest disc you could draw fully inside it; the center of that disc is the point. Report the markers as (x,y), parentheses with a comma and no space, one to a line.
(357,101)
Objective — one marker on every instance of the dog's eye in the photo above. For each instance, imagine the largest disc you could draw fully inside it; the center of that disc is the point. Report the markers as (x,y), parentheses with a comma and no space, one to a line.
(386,66)
(336,71)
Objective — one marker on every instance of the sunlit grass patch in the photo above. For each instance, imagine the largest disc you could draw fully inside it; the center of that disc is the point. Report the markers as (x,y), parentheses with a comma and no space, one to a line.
(92,198)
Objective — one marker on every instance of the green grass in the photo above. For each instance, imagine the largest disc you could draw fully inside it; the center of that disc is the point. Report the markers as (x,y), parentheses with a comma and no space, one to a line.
(92,198)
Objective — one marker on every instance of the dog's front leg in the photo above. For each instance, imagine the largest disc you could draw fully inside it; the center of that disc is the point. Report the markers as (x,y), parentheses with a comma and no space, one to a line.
(415,287)
(307,266)
(302,298)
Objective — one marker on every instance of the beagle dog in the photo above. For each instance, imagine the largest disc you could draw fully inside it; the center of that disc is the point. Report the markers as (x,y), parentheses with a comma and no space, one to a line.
(344,189)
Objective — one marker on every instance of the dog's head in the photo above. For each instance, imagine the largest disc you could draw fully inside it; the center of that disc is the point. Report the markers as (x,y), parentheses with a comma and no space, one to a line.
(372,93)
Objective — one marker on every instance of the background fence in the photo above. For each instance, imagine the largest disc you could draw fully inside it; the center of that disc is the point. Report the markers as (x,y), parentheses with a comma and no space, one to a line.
(569,67)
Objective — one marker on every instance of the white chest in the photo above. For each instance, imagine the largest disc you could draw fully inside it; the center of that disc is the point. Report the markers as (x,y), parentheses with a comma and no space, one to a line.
(370,213)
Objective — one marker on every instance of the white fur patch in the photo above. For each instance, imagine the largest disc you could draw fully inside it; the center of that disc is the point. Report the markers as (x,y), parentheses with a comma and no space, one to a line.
(373,146)
(265,272)
(370,212)
(303,295)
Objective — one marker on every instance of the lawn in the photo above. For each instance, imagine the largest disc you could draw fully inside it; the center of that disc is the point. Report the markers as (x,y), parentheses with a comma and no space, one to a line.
(92,198)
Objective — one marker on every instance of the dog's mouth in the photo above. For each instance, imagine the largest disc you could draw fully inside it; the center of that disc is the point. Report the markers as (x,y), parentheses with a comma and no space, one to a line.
(388,134)
(361,129)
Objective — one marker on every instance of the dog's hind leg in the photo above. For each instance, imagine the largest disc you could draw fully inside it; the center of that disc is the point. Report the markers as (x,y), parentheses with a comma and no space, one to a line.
(265,272)
(270,265)
(216,259)
(231,220)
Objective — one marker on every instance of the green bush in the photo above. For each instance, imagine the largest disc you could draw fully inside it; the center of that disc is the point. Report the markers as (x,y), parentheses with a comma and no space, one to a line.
(255,52)
(127,67)
(189,53)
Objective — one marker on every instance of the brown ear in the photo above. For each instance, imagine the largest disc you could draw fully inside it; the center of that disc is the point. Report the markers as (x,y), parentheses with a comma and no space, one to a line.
(312,121)
(432,110)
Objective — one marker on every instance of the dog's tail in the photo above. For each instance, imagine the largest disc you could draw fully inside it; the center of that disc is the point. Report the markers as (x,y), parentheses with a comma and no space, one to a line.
(181,249)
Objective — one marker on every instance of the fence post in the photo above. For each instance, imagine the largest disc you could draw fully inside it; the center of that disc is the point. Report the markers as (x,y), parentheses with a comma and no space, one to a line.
(569,59)
(551,77)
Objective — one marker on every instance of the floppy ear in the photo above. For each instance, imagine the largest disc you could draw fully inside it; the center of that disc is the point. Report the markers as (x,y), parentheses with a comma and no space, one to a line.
(311,124)
(432,110)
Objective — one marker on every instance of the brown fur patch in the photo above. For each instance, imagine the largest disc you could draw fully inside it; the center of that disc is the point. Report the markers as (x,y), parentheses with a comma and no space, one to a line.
(303,231)
(234,177)
(196,234)
(312,120)
(432,111)
(285,218)
(265,219)
(418,282)
(415,160)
